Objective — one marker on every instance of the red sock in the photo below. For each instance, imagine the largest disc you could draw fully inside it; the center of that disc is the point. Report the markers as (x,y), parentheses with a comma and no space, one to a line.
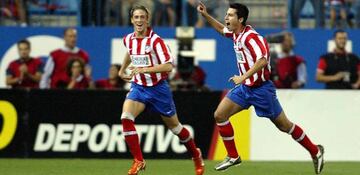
(132,139)
(189,142)
(227,133)
(299,135)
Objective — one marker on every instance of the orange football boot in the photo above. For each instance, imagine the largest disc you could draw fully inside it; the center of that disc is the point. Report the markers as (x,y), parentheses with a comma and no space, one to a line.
(199,164)
(136,167)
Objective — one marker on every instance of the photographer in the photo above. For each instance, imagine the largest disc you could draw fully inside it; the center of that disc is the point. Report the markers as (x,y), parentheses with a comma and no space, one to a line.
(339,69)
(288,70)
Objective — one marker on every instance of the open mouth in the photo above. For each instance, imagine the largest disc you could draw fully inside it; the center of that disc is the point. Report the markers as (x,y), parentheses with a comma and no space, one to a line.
(227,24)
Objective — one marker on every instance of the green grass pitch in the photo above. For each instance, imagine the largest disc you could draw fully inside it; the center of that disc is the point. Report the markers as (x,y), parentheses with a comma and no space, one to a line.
(165,167)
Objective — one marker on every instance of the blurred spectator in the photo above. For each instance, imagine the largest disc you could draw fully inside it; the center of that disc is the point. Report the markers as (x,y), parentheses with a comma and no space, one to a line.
(75,79)
(26,71)
(93,12)
(338,13)
(14,9)
(113,81)
(164,14)
(296,7)
(55,68)
(356,6)
(339,69)
(288,69)
(189,81)
(113,13)
(192,15)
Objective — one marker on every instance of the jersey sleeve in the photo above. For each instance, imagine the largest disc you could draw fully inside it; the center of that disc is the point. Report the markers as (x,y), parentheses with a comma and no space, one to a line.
(256,46)
(48,70)
(86,57)
(321,65)
(9,71)
(162,51)
(301,72)
(40,65)
(227,33)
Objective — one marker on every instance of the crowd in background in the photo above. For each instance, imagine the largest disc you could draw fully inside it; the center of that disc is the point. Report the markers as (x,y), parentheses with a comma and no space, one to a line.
(68,67)
(327,13)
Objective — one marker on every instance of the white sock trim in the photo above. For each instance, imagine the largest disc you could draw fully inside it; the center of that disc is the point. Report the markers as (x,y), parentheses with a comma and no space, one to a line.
(228,138)
(177,129)
(128,133)
(186,140)
(223,123)
(292,129)
(301,137)
(127,115)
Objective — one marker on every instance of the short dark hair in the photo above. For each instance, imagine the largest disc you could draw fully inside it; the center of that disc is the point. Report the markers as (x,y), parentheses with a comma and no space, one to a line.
(70,64)
(24,41)
(139,7)
(241,10)
(339,31)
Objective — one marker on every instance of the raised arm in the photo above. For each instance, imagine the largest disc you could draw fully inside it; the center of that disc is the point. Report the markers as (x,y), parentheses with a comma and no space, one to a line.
(219,27)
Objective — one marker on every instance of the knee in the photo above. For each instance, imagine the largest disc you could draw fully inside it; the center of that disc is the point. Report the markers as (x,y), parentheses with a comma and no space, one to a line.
(127,116)
(219,116)
(285,127)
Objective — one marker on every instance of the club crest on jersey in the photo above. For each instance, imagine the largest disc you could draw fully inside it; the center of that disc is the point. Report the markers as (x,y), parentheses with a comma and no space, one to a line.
(147,48)
(238,45)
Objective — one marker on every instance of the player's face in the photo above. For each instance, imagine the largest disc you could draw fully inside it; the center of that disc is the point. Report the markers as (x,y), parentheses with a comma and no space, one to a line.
(24,50)
(70,38)
(140,20)
(340,40)
(113,72)
(287,43)
(231,19)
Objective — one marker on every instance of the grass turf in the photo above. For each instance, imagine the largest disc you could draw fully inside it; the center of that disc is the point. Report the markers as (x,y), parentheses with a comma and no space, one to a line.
(164,167)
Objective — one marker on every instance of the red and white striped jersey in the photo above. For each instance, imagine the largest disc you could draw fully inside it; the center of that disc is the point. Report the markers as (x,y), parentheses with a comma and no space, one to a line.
(148,52)
(249,47)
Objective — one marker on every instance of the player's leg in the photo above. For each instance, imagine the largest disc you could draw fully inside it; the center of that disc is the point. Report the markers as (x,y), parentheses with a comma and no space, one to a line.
(285,125)
(222,114)
(267,105)
(176,127)
(132,107)
(162,102)
(316,151)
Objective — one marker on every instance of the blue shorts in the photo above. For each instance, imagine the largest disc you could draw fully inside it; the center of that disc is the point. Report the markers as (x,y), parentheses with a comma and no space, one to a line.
(157,98)
(263,98)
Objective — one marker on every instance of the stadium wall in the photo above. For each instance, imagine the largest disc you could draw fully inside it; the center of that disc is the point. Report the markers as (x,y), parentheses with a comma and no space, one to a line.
(60,123)
(67,124)
(214,53)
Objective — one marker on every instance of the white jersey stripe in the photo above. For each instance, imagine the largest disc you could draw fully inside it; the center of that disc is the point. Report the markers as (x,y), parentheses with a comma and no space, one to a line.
(143,44)
(151,51)
(252,46)
(256,48)
(243,69)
